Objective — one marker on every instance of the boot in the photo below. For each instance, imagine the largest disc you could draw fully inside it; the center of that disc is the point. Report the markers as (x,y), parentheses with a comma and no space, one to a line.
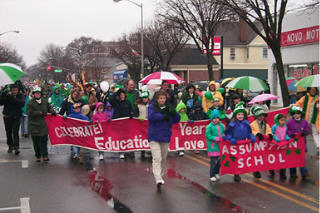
(257,175)
(237,178)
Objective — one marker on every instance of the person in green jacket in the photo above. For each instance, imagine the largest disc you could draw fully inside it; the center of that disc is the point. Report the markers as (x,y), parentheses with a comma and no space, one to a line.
(214,133)
(56,98)
(182,110)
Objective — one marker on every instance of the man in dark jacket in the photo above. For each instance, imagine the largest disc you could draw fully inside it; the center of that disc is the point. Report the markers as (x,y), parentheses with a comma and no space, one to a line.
(12,112)
(121,105)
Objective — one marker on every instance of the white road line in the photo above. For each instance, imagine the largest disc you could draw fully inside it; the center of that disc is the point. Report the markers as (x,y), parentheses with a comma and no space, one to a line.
(10,208)
(24,164)
(25,207)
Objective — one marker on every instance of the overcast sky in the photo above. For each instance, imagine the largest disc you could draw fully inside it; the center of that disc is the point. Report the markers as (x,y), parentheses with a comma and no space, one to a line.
(42,22)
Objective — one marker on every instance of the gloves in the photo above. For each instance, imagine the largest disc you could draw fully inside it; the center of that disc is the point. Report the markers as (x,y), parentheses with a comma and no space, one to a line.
(233,141)
(304,133)
(190,121)
(141,118)
(270,137)
(253,139)
(217,139)
(54,113)
(293,135)
(131,116)
(260,136)
(64,117)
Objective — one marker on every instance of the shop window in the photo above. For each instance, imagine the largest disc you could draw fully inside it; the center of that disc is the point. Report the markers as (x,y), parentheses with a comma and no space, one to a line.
(265,52)
(232,53)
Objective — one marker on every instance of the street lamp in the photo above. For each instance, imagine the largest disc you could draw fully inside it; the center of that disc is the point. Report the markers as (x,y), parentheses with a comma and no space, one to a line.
(141,32)
(11,31)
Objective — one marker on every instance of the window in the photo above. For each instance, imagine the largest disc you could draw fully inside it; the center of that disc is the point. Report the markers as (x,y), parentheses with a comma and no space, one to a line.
(232,53)
(265,52)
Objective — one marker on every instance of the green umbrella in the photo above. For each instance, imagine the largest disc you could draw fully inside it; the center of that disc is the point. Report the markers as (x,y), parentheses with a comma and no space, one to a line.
(248,83)
(9,73)
(310,81)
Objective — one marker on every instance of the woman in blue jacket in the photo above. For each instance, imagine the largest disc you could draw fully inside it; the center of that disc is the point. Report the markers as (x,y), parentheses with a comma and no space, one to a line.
(161,117)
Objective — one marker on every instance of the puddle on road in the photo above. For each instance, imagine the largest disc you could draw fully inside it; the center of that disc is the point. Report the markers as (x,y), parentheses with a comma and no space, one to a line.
(222,201)
(102,186)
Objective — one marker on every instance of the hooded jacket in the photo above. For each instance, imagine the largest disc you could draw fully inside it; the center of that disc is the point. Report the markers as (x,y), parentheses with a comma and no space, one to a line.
(121,109)
(100,116)
(159,129)
(197,113)
(214,132)
(255,128)
(109,112)
(207,104)
(77,115)
(12,106)
(56,99)
(239,130)
(183,116)
(296,127)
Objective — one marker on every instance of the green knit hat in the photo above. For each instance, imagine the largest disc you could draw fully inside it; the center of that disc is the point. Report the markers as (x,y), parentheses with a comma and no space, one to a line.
(276,118)
(295,109)
(257,111)
(144,94)
(239,108)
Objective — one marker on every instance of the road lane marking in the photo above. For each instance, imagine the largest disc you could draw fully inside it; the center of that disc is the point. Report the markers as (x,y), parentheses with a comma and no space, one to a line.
(24,206)
(24,163)
(265,188)
(298,194)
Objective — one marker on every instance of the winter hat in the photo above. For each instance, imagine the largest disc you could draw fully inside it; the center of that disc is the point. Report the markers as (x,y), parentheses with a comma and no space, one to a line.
(35,89)
(239,108)
(212,83)
(215,114)
(295,109)
(144,94)
(208,96)
(85,109)
(257,111)
(276,118)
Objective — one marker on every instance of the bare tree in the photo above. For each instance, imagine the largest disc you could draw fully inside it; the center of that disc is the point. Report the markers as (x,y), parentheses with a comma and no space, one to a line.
(163,41)
(270,15)
(199,19)
(80,49)
(9,55)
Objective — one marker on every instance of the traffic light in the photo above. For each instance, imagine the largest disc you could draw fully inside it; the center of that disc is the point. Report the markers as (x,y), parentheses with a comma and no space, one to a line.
(49,68)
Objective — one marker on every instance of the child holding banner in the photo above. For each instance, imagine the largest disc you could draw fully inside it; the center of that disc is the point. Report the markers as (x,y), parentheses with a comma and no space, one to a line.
(100,115)
(239,129)
(214,132)
(182,110)
(280,133)
(161,117)
(260,127)
(298,125)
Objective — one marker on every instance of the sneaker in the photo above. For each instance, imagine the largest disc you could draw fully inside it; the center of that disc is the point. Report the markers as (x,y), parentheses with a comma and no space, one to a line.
(271,173)
(181,153)
(10,150)
(17,152)
(101,157)
(159,187)
(38,160)
(75,156)
(161,181)
(217,177)
(305,176)
(46,159)
(257,175)
(213,179)
(121,156)
(237,178)
(293,176)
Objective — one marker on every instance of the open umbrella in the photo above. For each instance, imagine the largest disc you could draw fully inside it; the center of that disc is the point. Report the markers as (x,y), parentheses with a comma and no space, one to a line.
(158,77)
(225,81)
(248,83)
(291,83)
(263,97)
(310,81)
(9,73)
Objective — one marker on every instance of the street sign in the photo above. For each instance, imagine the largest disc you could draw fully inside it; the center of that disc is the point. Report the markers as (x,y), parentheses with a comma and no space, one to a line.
(216,45)
(57,70)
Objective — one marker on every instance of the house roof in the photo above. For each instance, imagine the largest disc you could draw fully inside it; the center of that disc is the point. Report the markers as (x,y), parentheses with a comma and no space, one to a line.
(231,33)
(190,56)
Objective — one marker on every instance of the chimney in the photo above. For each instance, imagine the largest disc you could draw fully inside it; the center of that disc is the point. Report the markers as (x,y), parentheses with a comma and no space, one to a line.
(242,30)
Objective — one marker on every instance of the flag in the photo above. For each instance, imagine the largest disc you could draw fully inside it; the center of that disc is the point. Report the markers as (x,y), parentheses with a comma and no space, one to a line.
(135,53)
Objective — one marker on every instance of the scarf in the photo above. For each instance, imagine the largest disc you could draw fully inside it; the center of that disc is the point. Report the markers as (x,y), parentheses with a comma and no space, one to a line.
(313,110)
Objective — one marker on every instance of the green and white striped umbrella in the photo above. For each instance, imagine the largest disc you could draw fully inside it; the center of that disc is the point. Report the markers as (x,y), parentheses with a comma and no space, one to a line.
(248,83)
(310,81)
(9,73)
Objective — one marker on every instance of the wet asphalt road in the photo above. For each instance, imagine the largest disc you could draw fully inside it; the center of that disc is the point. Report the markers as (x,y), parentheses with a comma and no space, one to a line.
(128,185)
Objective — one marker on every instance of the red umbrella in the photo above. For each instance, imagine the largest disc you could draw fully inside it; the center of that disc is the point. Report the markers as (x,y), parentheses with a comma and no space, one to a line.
(158,77)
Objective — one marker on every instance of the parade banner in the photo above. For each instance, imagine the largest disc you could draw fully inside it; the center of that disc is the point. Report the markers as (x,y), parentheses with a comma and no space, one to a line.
(126,134)
(261,156)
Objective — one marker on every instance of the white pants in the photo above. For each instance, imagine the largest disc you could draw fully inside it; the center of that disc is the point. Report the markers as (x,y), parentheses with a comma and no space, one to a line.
(159,153)
(315,135)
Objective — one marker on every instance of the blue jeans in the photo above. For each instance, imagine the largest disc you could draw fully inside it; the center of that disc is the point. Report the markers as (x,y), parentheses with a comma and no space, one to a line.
(24,125)
(214,165)
(75,150)
(303,171)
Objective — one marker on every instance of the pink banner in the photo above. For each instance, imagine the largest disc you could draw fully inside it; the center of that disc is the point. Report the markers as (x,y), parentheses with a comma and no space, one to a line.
(128,134)
(260,156)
